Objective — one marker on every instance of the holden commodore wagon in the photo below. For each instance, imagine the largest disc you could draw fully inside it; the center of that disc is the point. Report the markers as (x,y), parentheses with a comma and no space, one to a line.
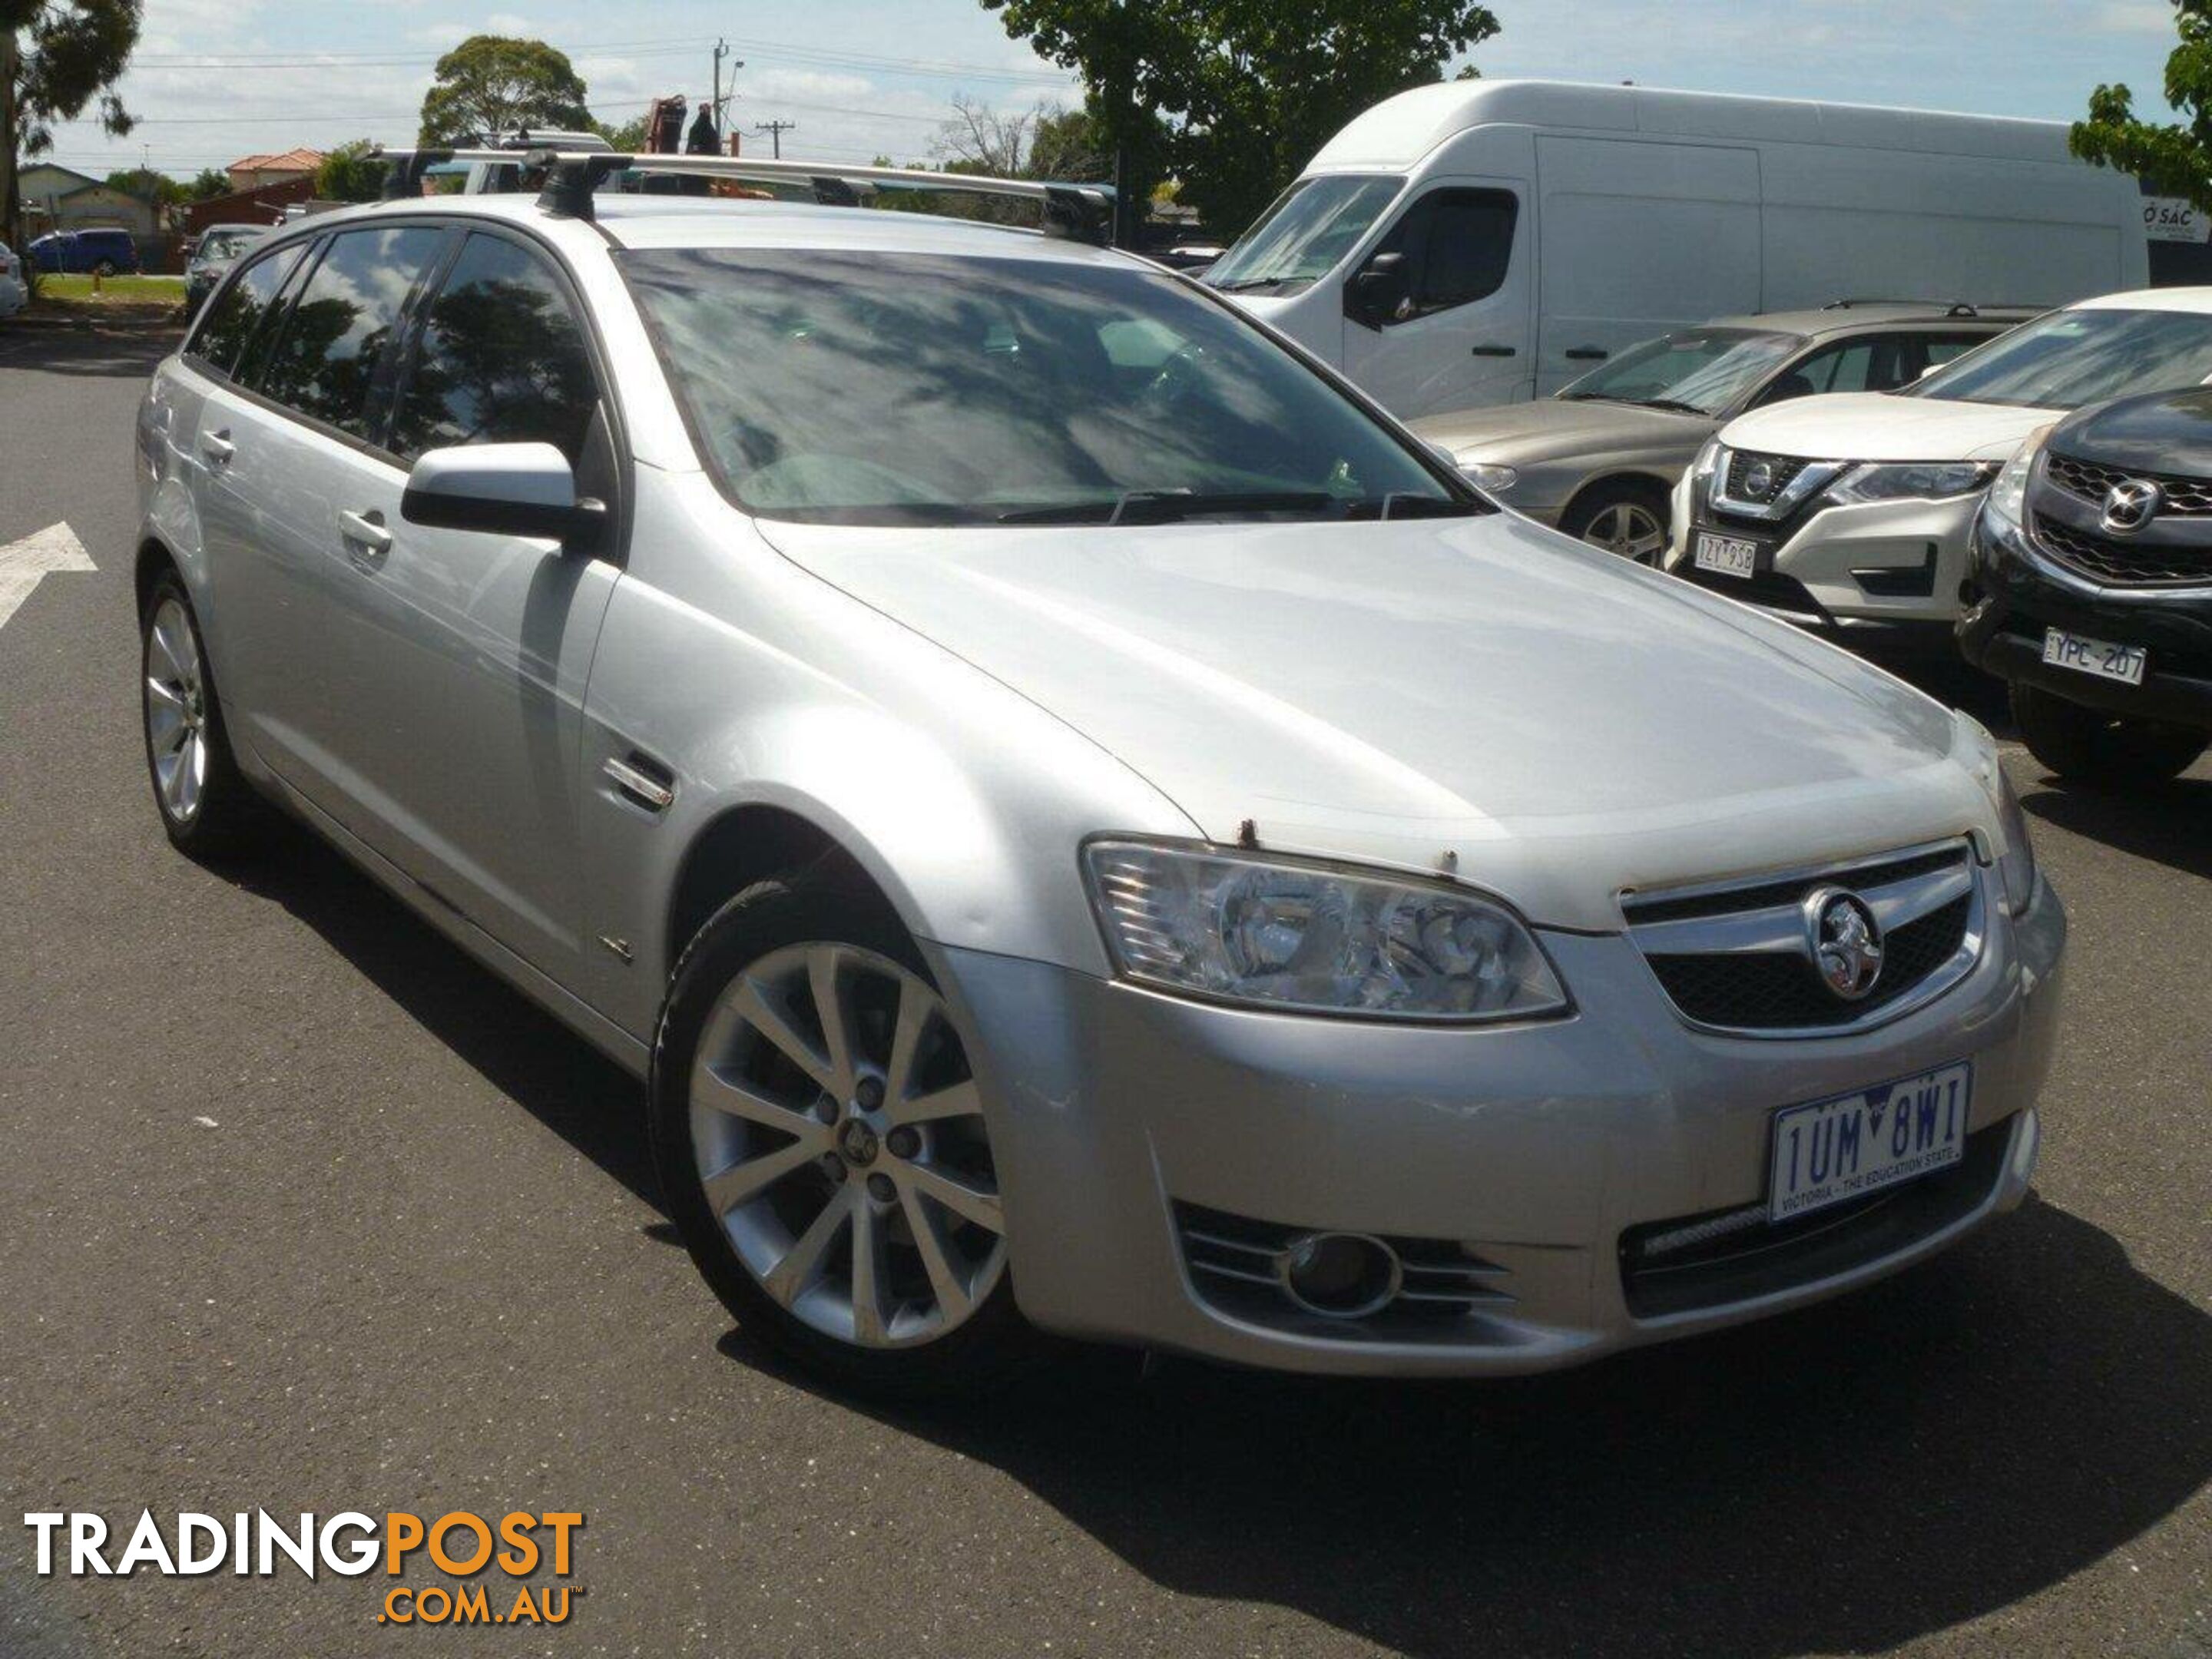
(1080,822)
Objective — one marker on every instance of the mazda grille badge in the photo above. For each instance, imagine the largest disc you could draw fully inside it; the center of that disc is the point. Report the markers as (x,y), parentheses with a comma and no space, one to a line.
(2129,504)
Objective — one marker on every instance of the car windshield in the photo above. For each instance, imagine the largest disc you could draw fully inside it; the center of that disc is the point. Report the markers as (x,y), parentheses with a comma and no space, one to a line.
(1302,238)
(2066,359)
(1699,370)
(223,245)
(892,388)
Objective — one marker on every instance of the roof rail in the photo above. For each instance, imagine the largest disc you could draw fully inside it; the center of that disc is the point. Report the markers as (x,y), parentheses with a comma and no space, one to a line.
(1080,213)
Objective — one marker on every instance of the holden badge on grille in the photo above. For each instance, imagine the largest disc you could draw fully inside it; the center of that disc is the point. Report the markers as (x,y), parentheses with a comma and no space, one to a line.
(1846,941)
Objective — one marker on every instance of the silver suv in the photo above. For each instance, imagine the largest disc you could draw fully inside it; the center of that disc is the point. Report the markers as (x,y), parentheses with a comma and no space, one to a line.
(1081,824)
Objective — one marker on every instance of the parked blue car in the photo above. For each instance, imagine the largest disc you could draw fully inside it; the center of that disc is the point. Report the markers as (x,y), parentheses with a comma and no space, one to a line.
(75,252)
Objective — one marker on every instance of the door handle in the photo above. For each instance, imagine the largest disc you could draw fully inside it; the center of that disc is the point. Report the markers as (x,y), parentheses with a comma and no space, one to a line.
(217,446)
(365,530)
(1586,354)
(1493,351)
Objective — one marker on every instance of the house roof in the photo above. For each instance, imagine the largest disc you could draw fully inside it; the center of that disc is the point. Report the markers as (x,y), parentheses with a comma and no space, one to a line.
(30,168)
(290,160)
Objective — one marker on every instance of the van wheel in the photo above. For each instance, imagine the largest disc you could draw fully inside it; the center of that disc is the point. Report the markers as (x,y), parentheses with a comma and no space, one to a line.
(822,1149)
(103,268)
(207,806)
(2085,746)
(1622,516)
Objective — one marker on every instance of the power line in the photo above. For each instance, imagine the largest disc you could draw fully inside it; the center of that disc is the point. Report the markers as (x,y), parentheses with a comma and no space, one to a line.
(776,130)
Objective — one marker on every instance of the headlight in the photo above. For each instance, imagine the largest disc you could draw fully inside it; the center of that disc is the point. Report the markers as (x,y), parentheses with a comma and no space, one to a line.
(1914,481)
(2007,500)
(1976,750)
(1300,937)
(1483,475)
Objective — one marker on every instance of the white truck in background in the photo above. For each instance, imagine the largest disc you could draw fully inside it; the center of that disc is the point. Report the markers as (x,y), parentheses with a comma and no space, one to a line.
(1485,241)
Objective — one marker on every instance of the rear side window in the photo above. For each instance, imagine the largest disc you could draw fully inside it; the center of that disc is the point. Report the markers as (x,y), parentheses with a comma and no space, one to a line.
(243,308)
(502,359)
(1457,244)
(332,363)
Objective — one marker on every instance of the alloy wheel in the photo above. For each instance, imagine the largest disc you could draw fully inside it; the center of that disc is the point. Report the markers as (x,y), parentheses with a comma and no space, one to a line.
(176,711)
(1629,529)
(840,1142)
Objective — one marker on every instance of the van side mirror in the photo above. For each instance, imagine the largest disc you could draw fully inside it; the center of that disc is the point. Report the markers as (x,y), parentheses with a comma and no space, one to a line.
(1379,291)
(501,490)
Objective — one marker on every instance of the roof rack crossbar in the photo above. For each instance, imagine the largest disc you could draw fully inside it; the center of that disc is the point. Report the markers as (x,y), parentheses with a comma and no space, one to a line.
(1078,212)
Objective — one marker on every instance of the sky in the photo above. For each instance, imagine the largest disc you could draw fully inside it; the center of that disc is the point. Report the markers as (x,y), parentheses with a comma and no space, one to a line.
(214,79)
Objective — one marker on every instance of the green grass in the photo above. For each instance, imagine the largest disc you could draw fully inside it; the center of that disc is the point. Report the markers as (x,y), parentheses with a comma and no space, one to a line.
(113,290)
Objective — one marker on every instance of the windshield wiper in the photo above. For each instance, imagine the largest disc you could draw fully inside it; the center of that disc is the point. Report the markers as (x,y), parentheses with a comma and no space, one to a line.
(1674,404)
(1166,506)
(1246,284)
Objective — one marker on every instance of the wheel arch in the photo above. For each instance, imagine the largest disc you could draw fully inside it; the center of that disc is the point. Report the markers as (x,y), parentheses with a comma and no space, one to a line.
(744,843)
(1640,479)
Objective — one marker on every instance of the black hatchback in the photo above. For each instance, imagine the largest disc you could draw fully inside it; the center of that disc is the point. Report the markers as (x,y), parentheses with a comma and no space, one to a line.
(2092,577)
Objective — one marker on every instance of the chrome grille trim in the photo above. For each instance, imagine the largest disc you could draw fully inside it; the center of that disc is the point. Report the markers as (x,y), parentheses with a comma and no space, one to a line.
(2089,481)
(1760,918)
(1796,481)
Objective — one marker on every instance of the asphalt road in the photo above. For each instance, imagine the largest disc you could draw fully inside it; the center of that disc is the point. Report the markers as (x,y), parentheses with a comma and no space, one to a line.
(300,1209)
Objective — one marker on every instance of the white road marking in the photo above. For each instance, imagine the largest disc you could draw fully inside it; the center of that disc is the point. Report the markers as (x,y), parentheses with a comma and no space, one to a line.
(22,563)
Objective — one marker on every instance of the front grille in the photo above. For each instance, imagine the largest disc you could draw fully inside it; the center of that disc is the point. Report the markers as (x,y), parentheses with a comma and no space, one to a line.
(2124,564)
(1232,1263)
(1695,1264)
(1739,957)
(2088,481)
(1781,470)
(1778,991)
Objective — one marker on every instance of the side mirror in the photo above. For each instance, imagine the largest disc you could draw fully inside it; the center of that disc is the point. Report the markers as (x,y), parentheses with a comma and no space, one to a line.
(502,489)
(1378,292)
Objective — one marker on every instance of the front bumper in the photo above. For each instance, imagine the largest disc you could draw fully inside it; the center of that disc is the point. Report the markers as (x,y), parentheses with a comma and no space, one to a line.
(1535,1149)
(2020,593)
(1878,570)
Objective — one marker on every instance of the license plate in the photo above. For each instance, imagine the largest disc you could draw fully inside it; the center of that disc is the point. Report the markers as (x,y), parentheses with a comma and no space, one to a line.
(1730,555)
(1829,1151)
(2124,663)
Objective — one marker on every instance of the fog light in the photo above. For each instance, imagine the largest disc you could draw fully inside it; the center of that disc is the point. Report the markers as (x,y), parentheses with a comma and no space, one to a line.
(1341,1275)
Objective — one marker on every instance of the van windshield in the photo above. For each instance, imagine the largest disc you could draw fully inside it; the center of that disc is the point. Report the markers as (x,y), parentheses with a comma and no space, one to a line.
(911,389)
(1304,236)
(2065,359)
(1700,371)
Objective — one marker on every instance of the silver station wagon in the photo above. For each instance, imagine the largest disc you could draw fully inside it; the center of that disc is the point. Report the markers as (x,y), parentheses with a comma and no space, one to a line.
(1082,823)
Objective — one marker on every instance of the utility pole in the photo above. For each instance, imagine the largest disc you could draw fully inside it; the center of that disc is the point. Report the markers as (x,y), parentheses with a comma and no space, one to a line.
(722,51)
(776,130)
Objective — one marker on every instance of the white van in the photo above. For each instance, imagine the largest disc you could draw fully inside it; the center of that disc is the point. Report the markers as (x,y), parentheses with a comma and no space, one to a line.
(1483,241)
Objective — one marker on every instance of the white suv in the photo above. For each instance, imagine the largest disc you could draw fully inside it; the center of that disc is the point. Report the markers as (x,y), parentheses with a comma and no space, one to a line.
(1850,512)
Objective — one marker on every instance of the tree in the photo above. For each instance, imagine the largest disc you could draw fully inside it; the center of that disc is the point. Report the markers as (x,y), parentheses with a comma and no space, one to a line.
(2175,160)
(156,187)
(55,57)
(630,137)
(351,172)
(1066,144)
(1236,95)
(1285,79)
(489,83)
(208,184)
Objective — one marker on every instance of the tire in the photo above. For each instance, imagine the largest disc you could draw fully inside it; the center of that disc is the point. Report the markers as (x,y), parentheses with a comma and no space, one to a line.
(103,268)
(2086,745)
(803,1198)
(207,807)
(1625,516)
